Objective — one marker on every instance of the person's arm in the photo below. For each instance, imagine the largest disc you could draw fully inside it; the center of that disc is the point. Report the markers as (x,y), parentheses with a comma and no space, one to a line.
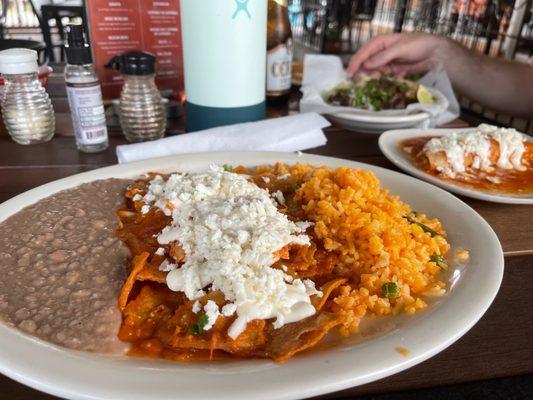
(501,85)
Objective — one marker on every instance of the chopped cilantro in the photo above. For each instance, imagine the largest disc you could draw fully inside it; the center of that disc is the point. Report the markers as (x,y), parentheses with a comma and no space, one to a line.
(425,228)
(198,329)
(390,290)
(439,260)
(294,186)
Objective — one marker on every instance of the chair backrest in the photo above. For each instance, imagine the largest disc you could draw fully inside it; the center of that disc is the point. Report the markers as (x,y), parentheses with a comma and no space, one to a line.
(3,11)
(37,4)
(3,17)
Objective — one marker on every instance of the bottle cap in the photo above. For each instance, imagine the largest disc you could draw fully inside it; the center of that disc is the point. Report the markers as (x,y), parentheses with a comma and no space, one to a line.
(133,63)
(77,50)
(18,61)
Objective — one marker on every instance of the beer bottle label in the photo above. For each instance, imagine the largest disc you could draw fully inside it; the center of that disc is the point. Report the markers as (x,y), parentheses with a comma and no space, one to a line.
(279,68)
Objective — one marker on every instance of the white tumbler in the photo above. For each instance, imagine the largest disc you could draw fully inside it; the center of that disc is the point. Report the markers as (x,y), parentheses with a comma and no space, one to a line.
(224,50)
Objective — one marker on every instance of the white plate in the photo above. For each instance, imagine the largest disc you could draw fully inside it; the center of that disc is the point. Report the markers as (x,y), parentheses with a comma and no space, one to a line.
(389,143)
(368,122)
(80,375)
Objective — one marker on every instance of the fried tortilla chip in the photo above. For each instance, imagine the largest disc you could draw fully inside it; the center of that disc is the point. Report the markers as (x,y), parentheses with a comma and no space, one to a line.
(216,339)
(150,272)
(326,289)
(292,338)
(138,263)
(282,253)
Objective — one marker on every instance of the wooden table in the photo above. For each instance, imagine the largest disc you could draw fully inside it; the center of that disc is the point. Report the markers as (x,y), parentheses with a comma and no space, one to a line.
(500,344)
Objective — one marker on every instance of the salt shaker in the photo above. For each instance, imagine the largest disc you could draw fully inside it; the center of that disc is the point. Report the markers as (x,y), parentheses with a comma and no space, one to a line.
(142,113)
(26,108)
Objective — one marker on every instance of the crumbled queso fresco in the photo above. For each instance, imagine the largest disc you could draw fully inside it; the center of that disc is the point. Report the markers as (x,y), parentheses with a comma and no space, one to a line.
(230,229)
(457,145)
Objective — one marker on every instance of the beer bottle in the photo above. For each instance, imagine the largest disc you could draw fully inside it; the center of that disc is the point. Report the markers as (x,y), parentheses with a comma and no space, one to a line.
(279,52)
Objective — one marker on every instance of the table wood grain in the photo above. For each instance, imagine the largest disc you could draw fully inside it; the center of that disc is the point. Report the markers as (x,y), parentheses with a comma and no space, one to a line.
(499,345)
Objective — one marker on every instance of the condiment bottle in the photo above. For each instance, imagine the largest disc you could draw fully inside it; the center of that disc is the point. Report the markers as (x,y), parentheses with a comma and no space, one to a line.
(27,110)
(84,93)
(142,113)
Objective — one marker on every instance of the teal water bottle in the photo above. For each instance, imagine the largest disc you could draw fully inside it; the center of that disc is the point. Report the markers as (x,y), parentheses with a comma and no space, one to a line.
(224,50)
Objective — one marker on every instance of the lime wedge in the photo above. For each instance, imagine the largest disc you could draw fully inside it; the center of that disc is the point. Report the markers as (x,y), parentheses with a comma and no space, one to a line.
(424,96)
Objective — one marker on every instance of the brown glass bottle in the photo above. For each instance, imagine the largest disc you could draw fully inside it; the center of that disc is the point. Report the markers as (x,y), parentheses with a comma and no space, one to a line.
(279,53)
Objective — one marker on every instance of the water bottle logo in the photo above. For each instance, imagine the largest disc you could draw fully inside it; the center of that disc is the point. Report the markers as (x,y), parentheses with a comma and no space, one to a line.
(242,5)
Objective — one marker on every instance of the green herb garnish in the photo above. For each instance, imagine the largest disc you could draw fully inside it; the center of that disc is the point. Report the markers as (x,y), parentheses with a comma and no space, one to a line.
(439,260)
(198,329)
(227,168)
(390,290)
(425,228)
(294,186)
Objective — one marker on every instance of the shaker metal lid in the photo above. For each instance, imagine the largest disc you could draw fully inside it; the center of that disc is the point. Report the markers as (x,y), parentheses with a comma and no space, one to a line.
(18,61)
(133,63)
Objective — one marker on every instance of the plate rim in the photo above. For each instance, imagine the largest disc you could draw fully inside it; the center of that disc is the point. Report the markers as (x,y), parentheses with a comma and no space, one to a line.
(321,385)
(374,127)
(388,144)
(355,116)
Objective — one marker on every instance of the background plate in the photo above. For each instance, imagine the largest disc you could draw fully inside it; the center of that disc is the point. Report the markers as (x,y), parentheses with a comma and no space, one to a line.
(375,123)
(389,143)
(358,360)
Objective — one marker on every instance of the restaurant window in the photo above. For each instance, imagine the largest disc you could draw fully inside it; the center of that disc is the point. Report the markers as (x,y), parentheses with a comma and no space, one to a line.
(498,28)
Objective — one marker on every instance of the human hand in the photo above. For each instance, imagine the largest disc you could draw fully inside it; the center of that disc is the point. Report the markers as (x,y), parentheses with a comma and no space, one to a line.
(399,54)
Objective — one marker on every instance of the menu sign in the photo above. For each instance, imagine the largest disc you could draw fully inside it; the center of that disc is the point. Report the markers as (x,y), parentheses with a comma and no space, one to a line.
(116,26)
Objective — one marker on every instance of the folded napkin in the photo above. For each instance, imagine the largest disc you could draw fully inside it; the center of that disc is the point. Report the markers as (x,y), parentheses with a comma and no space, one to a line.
(323,72)
(296,132)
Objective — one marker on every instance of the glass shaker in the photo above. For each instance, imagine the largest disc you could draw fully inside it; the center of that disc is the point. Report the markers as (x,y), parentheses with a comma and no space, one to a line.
(142,113)
(26,108)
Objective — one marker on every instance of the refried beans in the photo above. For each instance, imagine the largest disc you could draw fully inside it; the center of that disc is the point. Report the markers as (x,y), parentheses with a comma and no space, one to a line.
(62,267)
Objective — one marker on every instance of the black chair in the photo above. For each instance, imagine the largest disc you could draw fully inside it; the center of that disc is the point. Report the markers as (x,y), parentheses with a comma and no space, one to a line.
(3,18)
(47,10)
